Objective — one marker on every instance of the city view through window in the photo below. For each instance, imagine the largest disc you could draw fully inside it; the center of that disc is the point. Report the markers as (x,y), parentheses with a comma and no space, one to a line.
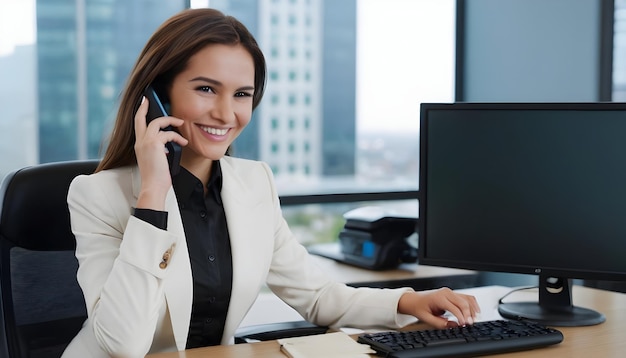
(341,109)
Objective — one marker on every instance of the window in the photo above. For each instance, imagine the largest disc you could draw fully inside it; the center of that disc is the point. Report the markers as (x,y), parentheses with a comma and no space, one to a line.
(337,105)
(358,67)
(619,52)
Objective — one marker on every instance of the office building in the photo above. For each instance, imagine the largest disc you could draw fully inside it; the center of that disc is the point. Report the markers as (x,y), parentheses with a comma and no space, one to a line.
(305,126)
(84,54)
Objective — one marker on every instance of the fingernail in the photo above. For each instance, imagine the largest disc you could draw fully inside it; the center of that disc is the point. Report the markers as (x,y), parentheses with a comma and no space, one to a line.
(143,98)
(470,320)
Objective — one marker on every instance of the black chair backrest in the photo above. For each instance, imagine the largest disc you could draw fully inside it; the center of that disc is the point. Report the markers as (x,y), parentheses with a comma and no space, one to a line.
(41,304)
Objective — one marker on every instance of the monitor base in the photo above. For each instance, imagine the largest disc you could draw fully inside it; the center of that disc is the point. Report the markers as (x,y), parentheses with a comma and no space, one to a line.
(532,311)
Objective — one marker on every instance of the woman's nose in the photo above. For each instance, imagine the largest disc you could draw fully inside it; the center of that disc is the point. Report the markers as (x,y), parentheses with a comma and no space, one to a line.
(223,109)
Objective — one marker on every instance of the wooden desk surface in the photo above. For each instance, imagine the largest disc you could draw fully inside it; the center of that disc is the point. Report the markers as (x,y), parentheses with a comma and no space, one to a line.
(404,273)
(605,340)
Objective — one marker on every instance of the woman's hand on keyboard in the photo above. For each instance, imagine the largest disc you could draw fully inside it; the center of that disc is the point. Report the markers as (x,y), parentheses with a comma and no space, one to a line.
(430,306)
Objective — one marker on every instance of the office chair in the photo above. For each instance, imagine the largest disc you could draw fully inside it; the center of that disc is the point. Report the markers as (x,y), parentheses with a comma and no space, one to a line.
(41,304)
(272,331)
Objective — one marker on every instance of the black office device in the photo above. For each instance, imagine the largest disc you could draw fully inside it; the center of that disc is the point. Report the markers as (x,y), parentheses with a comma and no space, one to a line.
(157,109)
(481,338)
(531,188)
(375,239)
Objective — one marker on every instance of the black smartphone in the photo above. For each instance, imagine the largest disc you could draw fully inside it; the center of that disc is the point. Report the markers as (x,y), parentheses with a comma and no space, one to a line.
(156,109)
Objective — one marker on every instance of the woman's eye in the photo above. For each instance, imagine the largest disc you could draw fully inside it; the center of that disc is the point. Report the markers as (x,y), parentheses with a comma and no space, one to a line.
(243,94)
(206,89)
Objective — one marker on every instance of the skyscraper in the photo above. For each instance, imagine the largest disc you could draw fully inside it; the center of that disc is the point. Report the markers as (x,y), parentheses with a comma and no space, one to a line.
(85,52)
(305,126)
(339,95)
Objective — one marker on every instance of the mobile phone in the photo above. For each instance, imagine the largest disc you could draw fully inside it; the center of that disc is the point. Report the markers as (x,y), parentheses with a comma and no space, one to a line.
(156,109)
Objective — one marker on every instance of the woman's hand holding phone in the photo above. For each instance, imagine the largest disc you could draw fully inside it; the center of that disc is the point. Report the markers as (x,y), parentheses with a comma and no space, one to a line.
(151,155)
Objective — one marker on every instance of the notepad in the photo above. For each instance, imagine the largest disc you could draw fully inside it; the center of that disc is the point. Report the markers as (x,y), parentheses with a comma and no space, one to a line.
(328,345)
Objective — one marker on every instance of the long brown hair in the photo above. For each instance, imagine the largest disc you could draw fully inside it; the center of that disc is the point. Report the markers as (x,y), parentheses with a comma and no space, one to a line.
(164,56)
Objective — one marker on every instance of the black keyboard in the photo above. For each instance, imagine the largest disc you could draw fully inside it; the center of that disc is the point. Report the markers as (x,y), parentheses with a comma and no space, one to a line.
(481,338)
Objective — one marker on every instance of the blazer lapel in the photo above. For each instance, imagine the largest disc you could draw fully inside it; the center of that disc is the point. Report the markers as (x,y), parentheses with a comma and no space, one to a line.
(178,285)
(248,241)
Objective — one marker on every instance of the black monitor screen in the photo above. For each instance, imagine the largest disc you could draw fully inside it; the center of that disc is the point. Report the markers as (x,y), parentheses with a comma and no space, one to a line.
(536,188)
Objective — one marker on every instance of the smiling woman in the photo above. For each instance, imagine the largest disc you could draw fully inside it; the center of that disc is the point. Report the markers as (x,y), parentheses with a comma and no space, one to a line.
(175,261)
(195,80)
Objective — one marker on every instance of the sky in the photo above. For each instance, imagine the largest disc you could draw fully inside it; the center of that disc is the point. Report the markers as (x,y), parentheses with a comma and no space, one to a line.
(405,55)
(17,24)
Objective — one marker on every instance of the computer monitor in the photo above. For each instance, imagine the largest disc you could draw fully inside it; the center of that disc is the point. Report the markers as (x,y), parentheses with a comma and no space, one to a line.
(531,188)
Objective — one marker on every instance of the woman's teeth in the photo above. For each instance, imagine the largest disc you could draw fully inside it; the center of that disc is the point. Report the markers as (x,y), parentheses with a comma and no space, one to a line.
(214,131)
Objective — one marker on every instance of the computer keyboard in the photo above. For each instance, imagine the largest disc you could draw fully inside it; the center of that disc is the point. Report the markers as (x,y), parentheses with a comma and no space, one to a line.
(481,338)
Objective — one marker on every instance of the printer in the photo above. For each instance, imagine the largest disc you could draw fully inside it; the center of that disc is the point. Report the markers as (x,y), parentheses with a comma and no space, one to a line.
(375,239)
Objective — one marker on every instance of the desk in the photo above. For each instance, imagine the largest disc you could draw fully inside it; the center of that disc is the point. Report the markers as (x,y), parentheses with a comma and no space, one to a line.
(605,340)
(419,277)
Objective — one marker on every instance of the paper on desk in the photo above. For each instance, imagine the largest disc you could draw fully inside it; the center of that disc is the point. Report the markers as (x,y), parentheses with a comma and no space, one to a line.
(328,345)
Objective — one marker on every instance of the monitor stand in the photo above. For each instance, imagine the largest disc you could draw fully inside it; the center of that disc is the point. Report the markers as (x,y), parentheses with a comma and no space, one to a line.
(554,307)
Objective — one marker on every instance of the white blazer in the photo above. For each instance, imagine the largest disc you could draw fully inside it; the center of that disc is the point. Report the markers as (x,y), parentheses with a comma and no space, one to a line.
(137,281)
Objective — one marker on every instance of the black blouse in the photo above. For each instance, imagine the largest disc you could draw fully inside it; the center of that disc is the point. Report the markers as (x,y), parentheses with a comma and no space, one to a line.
(208,243)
